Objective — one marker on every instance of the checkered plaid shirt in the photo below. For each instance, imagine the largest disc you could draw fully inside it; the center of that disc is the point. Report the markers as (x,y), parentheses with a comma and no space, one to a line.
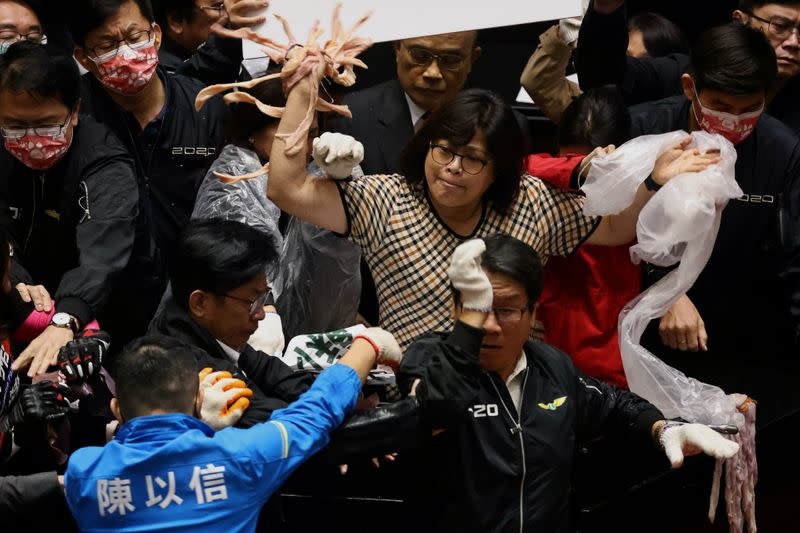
(408,248)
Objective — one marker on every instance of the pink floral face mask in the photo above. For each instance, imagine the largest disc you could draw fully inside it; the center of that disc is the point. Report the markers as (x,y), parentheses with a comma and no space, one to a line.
(129,68)
(735,128)
(39,150)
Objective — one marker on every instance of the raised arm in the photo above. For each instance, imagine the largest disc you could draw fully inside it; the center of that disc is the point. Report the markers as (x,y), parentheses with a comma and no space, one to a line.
(620,229)
(602,59)
(289,186)
(544,75)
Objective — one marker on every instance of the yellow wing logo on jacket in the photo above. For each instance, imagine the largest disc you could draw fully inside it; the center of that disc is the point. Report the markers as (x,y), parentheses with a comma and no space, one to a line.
(555,404)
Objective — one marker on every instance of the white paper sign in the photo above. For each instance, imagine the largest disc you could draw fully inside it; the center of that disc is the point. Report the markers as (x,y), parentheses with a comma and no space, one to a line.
(401,19)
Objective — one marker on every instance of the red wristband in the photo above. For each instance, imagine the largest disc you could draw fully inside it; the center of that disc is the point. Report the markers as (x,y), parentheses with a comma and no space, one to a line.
(372,342)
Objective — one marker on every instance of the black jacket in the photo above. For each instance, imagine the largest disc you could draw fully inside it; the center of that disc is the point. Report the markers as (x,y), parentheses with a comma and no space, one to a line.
(755,264)
(601,58)
(381,122)
(273,383)
(75,223)
(173,152)
(25,495)
(493,468)
(216,61)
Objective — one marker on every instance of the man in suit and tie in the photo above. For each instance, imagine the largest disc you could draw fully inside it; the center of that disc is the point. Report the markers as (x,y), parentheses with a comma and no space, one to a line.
(430,71)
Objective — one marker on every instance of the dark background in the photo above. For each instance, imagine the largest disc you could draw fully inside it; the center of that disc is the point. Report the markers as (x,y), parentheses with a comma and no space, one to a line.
(505,51)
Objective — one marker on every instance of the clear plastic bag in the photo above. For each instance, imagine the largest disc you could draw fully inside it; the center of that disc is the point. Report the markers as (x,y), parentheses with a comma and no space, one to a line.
(318,285)
(245,201)
(317,278)
(679,224)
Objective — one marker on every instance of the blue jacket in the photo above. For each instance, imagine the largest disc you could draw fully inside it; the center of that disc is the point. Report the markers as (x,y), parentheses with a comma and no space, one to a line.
(173,472)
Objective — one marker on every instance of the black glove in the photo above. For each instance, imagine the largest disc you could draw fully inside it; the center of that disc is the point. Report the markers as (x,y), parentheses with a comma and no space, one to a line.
(82,357)
(42,402)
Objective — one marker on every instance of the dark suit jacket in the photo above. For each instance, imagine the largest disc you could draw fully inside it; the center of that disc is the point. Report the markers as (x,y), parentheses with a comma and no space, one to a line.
(274,384)
(382,122)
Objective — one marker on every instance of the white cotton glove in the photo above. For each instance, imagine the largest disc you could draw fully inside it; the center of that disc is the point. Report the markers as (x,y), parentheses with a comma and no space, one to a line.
(568,28)
(692,439)
(225,399)
(389,352)
(337,154)
(468,277)
(268,337)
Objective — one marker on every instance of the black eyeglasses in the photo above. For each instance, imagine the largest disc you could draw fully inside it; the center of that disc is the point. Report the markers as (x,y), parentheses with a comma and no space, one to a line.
(444,156)
(109,48)
(255,305)
(424,57)
(507,315)
(780,27)
(11,36)
(49,130)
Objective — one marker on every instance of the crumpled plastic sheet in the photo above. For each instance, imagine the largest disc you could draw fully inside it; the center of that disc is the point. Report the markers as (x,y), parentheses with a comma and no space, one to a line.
(316,281)
(318,285)
(245,201)
(678,224)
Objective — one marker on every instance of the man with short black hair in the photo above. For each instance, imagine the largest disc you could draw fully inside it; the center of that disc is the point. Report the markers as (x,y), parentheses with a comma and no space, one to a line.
(18,21)
(152,112)
(514,410)
(601,56)
(430,71)
(68,195)
(747,299)
(219,295)
(167,470)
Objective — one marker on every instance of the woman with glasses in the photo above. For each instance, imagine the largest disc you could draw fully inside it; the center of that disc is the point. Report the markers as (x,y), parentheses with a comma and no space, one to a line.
(68,196)
(462,178)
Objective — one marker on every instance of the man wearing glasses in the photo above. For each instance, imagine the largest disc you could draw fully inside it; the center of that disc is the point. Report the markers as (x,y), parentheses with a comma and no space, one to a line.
(68,196)
(430,71)
(152,112)
(601,55)
(219,296)
(18,22)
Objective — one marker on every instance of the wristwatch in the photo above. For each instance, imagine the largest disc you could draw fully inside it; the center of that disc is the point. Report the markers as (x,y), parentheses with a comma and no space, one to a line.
(651,184)
(64,320)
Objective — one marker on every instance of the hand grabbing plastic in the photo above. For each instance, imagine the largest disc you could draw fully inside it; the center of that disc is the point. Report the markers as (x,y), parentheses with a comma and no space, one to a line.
(225,399)
(82,358)
(268,337)
(680,159)
(468,277)
(41,402)
(693,439)
(388,351)
(337,154)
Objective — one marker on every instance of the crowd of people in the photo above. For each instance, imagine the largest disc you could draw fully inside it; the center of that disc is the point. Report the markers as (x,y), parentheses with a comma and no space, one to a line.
(410,286)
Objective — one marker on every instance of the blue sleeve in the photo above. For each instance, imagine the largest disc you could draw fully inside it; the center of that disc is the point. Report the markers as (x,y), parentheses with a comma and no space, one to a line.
(294,434)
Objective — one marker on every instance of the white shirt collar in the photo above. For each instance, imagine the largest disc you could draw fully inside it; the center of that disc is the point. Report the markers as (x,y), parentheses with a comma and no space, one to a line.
(232,354)
(415,110)
(522,364)
(515,379)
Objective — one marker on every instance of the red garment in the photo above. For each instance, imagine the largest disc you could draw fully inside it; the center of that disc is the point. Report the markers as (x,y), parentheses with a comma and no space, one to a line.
(585,292)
